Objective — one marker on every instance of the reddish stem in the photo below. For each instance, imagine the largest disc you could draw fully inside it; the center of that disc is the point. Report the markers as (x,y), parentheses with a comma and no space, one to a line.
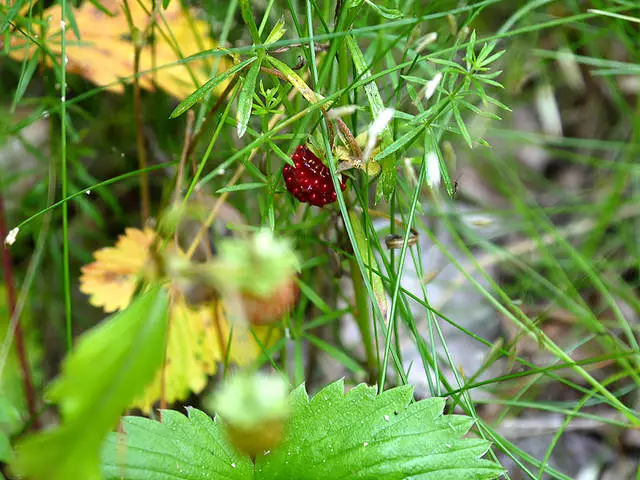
(7,266)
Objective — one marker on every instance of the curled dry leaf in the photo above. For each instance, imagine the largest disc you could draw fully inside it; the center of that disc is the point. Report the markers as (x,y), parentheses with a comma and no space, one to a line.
(198,336)
(104,52)
(349,160)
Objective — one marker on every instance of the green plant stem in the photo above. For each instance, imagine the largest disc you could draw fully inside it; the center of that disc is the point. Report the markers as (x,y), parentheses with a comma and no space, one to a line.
(210,116)
(403,253)
(359,289)
(362,318)
(343,72)
(64,189)
(247,16)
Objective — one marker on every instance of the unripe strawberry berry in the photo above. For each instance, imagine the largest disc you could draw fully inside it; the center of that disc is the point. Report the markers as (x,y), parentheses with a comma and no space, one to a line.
(261,310)
(255,411)
(310,180)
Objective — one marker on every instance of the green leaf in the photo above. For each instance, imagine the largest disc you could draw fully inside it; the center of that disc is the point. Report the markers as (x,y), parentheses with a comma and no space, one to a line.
(461,125)
(6,454)
(240,187)
(276,33)
(73,23)
(364,246)
(10,418)
(103,9)
(387,181)
(11,14)
(308,292)
(368,436)
(296,80)
(411,78)
(28,69)
(193,447)
(403,142)
(371,89)
(338,355)
(335,435)
(188,102)
(13,404)
(349,4)
(109,366)
(247,16)
(245,99)
(384,12)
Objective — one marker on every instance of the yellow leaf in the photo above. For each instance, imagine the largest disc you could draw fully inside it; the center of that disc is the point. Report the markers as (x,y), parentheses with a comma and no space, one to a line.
(104,52)
(198,338)
(111,280)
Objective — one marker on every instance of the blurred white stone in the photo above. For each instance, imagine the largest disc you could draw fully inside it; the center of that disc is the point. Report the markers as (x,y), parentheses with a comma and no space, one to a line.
(21,168)
(461,302)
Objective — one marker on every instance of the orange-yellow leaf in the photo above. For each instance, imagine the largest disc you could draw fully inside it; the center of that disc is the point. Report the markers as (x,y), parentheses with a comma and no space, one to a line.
(104,52)
(111,280)
(198,338)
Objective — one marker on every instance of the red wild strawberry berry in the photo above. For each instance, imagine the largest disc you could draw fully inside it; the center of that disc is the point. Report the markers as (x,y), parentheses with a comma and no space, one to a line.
(310,180)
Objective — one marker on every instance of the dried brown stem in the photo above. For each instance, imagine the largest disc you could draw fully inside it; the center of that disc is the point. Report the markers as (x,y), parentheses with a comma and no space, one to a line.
(349,136)
(318,47)
(236,176)
(9,281)
(188,138)
(275,73)
(214,109)
(145,202)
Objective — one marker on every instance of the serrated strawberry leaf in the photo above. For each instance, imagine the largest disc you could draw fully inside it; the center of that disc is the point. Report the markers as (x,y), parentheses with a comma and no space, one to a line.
(193,448)
(363,435)
(335,435)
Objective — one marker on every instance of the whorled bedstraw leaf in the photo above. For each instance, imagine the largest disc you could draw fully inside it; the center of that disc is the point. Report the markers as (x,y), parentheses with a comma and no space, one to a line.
(245,99)
(335,435)
(276,33)
(200,93)
(108,367)
(296,80)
